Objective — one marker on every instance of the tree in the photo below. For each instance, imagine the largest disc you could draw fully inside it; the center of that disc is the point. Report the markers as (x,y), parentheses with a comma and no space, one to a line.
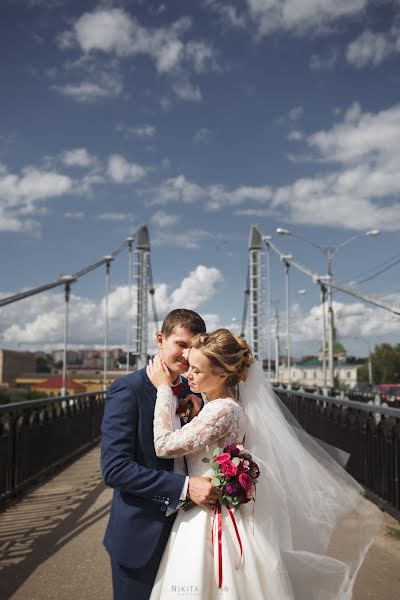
(385,365)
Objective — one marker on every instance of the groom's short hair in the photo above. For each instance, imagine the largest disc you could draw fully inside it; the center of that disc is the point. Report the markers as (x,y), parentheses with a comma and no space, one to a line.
(183,317)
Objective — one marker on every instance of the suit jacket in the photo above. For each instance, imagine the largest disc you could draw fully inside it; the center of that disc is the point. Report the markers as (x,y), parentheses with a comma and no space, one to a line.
(144,485)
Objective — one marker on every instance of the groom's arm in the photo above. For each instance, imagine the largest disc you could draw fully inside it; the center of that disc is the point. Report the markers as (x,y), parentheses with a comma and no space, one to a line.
(118,455)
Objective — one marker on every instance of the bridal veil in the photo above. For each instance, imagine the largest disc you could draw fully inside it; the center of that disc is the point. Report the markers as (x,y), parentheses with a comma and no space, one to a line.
(307,506)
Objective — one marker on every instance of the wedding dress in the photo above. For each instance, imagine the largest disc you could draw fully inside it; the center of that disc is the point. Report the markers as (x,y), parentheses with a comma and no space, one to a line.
(308,531)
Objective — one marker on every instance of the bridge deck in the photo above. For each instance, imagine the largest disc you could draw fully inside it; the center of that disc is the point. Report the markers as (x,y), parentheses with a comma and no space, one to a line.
(50,543)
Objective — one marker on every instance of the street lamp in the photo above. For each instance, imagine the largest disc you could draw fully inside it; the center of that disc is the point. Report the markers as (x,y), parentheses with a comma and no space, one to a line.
(107,260)
(130,241)
(68,280)
(369,357)
(267,238)
(329,252)
(285,258)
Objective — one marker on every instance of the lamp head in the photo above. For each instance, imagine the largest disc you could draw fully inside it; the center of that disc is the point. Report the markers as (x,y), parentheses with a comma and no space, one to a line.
(282,231)
(373,232)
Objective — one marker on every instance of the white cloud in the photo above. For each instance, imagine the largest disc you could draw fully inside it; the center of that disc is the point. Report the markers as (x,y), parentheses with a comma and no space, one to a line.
(142,131)
(363,192)
(161,219)
(189,239)
(177,189)
(202,136)
(295,135)
(40,320)
(74,215)
(228,13)
(324,63)
(372,48)
(300,16)
(360,191)
(122,171)
(91,91)
(79,157)
(296,113)
(213,197)
(22,196)
(201,285)
(361,136)
(352,320)
(115,216)
(112,31)
(185,90)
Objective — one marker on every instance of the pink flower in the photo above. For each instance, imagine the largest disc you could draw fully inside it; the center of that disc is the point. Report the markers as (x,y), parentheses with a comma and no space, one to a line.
(246,465)
(228,468)
(240,447)
(246,481)
(222,458)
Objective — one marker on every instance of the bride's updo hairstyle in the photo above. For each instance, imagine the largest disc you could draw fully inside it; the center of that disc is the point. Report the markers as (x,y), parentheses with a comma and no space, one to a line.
(229,354)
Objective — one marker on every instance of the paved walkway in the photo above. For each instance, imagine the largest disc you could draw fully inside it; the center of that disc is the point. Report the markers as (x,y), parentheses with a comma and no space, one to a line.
(50,543)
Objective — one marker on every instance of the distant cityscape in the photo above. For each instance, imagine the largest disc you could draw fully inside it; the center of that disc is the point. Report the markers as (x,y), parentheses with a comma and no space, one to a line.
(41,372)
(29,375)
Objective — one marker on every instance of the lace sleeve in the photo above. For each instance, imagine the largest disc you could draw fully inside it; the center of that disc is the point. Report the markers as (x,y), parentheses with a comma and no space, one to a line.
(207,428)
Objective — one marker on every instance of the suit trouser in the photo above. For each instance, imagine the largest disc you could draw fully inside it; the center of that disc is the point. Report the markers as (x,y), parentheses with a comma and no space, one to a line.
(136,584)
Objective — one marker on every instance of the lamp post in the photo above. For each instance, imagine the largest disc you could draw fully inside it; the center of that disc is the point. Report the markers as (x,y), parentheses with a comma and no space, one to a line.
(108,260)
(267,238)
(285,259)
(277,378)
(329,252)
(130,241)
(369,357)
(67,279)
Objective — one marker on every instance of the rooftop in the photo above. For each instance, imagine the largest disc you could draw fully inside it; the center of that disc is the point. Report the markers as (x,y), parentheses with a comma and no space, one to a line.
(315,363)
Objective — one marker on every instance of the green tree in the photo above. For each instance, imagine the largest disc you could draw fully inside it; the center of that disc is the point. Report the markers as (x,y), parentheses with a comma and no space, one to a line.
(385,365)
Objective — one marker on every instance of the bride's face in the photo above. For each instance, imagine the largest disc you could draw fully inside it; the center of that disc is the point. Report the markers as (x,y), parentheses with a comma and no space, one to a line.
(200,376)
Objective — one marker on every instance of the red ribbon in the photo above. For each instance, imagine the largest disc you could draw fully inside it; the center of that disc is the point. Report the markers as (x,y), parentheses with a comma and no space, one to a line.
(232,516)
(218,516)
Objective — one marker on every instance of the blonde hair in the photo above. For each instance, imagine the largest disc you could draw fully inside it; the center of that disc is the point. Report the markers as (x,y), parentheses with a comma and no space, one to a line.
(227,353)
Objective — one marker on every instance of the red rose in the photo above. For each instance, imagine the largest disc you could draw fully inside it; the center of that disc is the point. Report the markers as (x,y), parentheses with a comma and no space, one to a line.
(228,468)
(222,458)
(245,481)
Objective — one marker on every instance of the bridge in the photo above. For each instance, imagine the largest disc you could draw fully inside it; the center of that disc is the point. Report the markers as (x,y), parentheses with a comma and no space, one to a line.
(53,502)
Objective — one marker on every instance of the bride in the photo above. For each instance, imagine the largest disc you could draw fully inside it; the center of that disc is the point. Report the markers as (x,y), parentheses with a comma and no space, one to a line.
(310,527)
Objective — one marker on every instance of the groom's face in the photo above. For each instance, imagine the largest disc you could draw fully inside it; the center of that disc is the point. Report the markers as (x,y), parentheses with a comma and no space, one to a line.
(173,350)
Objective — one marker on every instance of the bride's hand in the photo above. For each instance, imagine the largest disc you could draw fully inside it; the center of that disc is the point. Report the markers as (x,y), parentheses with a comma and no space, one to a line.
(158,372)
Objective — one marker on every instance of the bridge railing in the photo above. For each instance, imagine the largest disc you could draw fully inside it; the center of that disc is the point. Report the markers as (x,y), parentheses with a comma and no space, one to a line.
(38,436)
(369,433)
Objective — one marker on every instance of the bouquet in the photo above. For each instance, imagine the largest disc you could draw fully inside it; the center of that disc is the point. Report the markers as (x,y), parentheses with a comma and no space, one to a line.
(184,409)
(235,474)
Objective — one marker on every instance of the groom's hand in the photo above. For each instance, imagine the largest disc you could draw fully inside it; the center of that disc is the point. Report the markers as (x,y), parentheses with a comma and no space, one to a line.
(201,492)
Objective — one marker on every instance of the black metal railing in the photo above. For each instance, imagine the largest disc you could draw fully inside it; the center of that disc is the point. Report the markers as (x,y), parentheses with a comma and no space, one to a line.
(369,433)
(38,436)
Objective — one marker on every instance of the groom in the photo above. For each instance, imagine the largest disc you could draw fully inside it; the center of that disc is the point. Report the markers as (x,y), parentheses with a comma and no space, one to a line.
(147,489)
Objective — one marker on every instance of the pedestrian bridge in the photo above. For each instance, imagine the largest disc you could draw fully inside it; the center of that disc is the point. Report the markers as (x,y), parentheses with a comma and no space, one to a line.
(51,543)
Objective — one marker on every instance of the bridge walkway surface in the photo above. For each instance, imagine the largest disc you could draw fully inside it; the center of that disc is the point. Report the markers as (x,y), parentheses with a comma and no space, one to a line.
(51,543)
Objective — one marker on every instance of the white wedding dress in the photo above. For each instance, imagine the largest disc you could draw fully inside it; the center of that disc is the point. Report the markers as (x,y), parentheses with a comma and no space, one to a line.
(303,539)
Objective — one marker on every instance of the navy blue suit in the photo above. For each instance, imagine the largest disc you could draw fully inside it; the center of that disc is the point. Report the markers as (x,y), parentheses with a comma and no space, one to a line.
(144,485)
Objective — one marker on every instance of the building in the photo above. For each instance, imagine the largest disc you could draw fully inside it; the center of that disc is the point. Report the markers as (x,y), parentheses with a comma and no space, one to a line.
(90,380)
(53,385)
(89,358)
(13,363)
(309,373)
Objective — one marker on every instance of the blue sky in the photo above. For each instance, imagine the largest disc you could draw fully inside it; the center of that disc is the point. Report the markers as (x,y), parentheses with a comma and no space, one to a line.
(198,119)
